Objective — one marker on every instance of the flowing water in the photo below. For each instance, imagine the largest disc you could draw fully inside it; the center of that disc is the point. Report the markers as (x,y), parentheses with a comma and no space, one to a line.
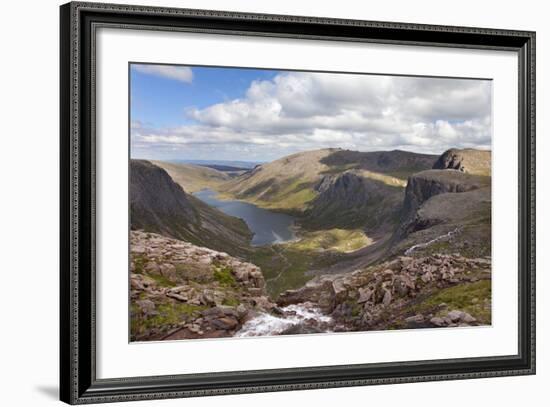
(268,227)
(303,316)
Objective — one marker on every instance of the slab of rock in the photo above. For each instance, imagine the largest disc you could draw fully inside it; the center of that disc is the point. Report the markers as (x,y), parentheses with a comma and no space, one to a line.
(415,318)
(455,315)
(147,306)
(168,270)
(387,297)
(438,321)
(468,318)
(226,323)
(365,294)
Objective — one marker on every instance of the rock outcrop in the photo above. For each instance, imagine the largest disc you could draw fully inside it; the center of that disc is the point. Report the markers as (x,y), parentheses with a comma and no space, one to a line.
(398,293)
(427,184)
(440,202)
(468,160)
(160,205)
(179,290)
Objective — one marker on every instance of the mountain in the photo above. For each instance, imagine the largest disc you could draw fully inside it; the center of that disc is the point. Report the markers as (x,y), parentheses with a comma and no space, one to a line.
(355,198)
(225,168)
(395,163)
(331,186)
(439,211)
(228,163)
(285,184)
(160,205)
(193,178)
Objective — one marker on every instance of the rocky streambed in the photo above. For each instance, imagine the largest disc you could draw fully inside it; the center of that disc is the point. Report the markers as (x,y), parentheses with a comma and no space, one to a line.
(301,318)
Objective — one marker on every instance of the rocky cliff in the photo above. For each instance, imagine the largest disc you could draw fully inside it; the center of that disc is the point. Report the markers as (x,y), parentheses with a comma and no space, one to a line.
(467,160)
(427,184)
(447,210)
(158,204)
(179,290)
(355,199)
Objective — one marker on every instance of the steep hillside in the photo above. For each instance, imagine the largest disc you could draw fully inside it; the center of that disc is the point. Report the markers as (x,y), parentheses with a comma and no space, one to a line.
(158,204)
(468,160)
(445,211)
(193,178)
(354,199)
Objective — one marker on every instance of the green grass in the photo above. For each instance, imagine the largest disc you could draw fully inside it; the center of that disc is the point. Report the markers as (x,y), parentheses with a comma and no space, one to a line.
(468,297)
(282,269)
(285,267)
(161,280)
(289,197)
(224,276)
(339,240)
(231,301)
(168,314)
(139,263)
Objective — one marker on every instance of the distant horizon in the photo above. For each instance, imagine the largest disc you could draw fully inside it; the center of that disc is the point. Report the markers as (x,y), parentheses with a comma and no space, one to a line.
(213,160)
(260,115)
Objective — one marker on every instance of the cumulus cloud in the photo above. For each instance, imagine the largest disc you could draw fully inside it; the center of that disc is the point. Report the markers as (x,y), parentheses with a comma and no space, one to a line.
(179,73)
(298,111)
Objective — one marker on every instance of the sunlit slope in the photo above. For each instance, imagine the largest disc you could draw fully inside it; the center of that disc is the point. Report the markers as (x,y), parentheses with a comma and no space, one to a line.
(193,178)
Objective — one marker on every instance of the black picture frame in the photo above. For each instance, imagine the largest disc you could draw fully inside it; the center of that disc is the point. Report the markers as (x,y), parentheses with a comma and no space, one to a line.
(78,382)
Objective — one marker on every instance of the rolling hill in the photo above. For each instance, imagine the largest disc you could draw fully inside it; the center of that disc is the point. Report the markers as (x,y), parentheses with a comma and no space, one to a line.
(193,178)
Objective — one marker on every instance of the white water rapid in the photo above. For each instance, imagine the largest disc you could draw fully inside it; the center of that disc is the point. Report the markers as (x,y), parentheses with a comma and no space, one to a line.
(292,315)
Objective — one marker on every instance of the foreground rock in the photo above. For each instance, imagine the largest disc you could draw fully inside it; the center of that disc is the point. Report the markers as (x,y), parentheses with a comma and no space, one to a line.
(401,293)
(179,290)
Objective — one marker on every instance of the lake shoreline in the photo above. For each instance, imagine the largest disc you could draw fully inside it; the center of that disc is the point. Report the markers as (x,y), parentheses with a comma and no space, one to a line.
(269,227)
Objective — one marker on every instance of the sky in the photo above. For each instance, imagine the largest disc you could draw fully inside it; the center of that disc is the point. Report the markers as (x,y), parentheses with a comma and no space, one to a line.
(211,113)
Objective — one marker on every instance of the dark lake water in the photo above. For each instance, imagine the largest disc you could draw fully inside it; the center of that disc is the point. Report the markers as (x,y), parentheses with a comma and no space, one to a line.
(268,227)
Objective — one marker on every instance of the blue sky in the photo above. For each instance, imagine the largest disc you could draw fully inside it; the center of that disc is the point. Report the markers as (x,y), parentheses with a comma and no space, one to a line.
(209,113)
(161,102)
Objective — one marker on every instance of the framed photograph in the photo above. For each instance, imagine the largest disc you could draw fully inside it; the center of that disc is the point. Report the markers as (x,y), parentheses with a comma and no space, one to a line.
(255,203)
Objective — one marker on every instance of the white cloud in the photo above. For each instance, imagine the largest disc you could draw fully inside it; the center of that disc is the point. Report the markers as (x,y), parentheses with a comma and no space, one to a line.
(301,111)
(179,73)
